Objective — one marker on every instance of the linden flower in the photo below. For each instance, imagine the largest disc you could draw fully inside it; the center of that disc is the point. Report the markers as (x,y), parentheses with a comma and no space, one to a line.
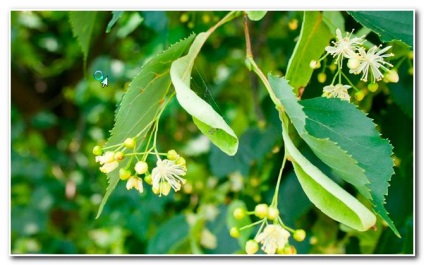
(373,59)
(272,238)
(107,161)
(344,47)
(167,171)
(337,91)
(135,182)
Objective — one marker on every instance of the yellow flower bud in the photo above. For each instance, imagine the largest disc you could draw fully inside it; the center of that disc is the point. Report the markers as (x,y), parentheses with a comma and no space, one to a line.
(290,250)
(315,64)
(353,63)
(293,24)
(391,76)
(261,210)
(321,77)
(184,18)
(251,247)
(181,161)
(148,179)
(273,213)
(172,155)
(359,95)
(124,174)
(235,232)
(299,235)
(129,143)
(97,150)
(141,167)
(372,87)
(239,213)
(119,156)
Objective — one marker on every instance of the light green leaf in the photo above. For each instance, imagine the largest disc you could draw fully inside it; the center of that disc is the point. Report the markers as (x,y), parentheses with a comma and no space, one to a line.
(205,117)
(343,123)
(256,15)
(389,25)
(169,235)
(115,16)
(233,222)
(141,103)
(326,195)
(314,37)
(82,23)
(334,20)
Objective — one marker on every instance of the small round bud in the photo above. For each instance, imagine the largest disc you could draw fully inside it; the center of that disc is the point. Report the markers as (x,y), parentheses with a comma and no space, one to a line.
(180,161)
(411,70)
(234,232)
(411,55)
(359,95)
(97,150)
(315,64)
(239,213)
(289,250)
(190,24)
(184,18)
(148,179)
(124,174)
(391,76)
(129,143)
(141,167)
(251,247)
(353,63)
(172,155)
(299,235)
(321,77)
(273,213)
(118,156)
(293,24)
(372,87)
(332,67)
(261,210)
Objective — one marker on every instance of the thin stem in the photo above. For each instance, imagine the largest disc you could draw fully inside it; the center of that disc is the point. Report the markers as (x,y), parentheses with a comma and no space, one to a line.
(350,83)
(247,36)
(250,225)
(275,198)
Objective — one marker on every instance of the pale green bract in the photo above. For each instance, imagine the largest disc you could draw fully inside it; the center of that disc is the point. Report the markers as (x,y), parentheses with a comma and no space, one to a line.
(204,116)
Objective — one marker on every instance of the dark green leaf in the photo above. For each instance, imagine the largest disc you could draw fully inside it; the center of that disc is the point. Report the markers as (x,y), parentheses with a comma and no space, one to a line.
(141,103)
(389,25)
(345,125)
(314,36)
(82,23)
(169,235)
(115,16)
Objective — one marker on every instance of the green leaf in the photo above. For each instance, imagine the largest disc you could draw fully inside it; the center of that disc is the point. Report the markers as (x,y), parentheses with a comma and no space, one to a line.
(256,15)
(141,103)
(350,128)
(314,37)
(82,23)
(334,20)
(204,116)
(389,25)
(115,16)
(233,222)
(169,235)
(342,137)
(326,195)
(326,149)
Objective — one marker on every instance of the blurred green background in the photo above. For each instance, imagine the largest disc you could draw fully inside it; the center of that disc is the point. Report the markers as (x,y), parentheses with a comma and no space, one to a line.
(59,112)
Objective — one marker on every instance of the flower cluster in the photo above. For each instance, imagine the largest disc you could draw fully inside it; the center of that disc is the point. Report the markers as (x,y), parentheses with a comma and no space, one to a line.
(166,175)
(370,63)
(274,236)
